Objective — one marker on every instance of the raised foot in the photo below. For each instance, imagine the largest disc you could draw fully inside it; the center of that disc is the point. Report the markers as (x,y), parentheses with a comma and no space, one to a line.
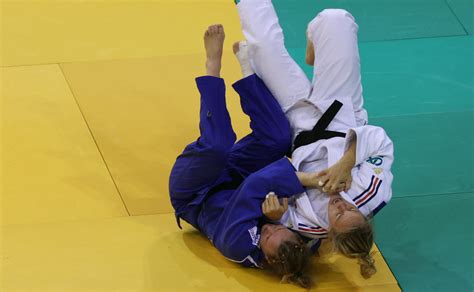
(214,43)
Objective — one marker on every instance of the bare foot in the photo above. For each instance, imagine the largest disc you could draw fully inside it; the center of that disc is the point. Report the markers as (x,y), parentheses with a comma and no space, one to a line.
(236,47)
(214,43)
(241,52)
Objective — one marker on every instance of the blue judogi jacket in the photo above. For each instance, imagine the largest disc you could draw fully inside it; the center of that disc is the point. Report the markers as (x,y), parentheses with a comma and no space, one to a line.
(232,219)
(217,185)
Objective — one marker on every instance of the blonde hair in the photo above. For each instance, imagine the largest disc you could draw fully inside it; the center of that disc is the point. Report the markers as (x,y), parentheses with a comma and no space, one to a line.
(357,243)
(291,263)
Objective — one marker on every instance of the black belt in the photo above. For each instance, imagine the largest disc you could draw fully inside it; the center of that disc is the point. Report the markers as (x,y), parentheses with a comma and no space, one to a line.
(319,131)
(233,184)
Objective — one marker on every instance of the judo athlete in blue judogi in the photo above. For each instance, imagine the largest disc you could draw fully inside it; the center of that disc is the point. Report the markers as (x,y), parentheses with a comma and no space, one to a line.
(218,186)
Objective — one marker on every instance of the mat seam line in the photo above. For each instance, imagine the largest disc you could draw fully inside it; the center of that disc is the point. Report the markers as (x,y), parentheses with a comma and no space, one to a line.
(389,267)
(435,194)
(422,114)
(196,53)
(400,39)
(93,137)
(455,15)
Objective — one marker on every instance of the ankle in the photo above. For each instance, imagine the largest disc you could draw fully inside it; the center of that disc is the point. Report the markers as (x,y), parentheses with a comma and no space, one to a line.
(213,68)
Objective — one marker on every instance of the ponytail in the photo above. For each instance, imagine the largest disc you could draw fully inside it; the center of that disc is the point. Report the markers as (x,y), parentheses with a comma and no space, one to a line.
(357,243)
(367,266)
(292,262)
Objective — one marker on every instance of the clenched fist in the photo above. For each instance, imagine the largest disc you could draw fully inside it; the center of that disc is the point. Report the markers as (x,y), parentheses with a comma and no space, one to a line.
(272,208)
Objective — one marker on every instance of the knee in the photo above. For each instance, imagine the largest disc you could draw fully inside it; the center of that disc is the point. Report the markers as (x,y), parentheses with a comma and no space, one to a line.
(334,18)
(221,148)
(337,14)
(218,146)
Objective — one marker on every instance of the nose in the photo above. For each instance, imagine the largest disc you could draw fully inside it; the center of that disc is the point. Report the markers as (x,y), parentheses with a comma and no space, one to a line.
(341,206)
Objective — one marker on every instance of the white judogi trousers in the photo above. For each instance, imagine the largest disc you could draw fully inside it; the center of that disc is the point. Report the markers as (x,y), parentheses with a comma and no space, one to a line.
(336,71)
(333,33)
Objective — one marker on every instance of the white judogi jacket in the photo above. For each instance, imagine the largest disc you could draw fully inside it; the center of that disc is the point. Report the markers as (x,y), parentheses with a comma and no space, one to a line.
(336,76)
(372,178)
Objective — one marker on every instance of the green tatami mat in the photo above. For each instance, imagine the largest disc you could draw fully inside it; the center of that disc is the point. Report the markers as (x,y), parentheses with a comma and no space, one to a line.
(378,19)
(433,152)
(418,76)
(464,10)
(428,241)
(414,76)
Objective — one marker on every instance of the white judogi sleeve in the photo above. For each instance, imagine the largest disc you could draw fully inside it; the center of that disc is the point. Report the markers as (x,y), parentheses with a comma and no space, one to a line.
(371,187)
(371,141)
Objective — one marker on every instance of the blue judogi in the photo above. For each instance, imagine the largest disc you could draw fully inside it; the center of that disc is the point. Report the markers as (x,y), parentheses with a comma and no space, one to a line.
(218,186)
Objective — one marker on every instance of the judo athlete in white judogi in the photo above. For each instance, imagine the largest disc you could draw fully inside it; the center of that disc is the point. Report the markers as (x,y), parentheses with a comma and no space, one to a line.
(329,123)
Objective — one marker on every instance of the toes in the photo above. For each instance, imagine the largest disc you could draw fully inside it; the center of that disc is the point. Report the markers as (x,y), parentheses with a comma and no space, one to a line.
(213,30)
(216,29)
(210,30)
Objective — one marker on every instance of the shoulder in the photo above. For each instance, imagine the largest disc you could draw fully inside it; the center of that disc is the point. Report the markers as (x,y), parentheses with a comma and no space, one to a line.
(242,247)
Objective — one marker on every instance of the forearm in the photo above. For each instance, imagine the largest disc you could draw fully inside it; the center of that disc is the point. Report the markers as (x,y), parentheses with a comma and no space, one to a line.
(307,179)
(349,158)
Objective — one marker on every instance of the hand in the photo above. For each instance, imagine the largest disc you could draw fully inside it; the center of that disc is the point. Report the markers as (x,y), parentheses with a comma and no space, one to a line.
(335,179)
(271,207)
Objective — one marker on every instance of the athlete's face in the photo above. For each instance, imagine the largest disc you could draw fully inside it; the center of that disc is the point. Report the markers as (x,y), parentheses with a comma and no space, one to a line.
(343,216)
(271,236)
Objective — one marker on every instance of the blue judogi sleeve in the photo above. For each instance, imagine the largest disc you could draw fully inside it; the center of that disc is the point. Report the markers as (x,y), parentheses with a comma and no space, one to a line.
(237,234)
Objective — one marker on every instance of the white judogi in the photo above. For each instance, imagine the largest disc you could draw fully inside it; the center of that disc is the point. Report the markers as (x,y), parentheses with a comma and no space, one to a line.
(336,76)
(372,178)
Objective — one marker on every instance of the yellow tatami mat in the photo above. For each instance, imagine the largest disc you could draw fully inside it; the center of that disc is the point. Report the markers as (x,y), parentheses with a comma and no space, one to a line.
(52,168)
(48,31)
(149,253)
(142,113)
(90,139)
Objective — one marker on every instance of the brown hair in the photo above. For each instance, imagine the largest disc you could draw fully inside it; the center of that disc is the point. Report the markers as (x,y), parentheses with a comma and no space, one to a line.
(291,263)
(357,243)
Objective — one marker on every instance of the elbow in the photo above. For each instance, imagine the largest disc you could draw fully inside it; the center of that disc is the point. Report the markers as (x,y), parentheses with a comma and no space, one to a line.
(282,144)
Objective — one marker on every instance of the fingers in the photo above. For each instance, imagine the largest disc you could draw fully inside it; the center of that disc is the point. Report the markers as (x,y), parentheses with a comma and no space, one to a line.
(348,184)
(322,181)
(265,207)
(322,173)
(337,186)
(273,202)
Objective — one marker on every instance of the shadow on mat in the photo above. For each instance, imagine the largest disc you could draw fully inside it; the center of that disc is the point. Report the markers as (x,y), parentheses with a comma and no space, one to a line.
(254,279)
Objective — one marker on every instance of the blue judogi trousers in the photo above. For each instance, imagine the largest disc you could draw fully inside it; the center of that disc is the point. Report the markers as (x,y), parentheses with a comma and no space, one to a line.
(215,158)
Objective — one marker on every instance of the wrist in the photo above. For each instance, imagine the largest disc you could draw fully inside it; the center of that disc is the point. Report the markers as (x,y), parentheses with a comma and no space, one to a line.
(306,179)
